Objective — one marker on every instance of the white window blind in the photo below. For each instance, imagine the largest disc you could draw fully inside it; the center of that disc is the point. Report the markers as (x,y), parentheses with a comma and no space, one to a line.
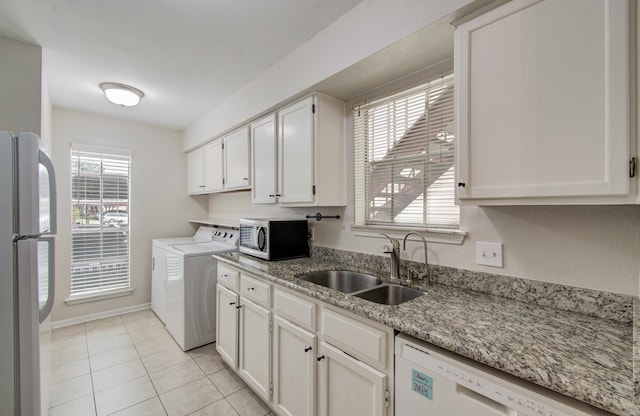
(404,159)
(100,202)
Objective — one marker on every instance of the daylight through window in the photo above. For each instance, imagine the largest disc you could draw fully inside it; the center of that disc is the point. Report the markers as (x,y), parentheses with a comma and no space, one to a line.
(100,232)
(404,158)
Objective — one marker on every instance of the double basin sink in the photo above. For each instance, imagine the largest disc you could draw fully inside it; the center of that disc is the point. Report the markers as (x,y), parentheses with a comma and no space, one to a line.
(363,286)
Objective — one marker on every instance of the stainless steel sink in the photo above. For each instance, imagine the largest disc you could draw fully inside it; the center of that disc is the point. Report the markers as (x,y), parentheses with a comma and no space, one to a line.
(389,294)
(343,281)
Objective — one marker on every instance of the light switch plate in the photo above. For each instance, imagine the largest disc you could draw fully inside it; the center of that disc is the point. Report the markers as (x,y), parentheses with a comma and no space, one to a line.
(489,254)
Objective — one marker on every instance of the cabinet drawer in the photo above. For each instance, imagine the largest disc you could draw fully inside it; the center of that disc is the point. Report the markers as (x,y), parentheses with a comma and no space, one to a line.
(295,309)
(355,338)
(228,277)
(255,290)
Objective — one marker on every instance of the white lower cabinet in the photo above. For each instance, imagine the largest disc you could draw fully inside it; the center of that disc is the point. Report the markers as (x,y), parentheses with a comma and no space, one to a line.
(254,363)
(302,356)
(294,369)
(349,387)
(227,325)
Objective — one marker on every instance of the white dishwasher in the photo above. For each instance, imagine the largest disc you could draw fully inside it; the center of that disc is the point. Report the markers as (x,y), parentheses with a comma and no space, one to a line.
(434,382)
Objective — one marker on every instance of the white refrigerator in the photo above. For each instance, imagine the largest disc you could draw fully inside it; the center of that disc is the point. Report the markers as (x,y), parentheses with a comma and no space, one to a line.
(27,229)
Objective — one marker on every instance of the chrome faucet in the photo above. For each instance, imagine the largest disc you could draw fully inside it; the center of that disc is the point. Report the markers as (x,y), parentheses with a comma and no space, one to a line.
(394,250)
(426,263)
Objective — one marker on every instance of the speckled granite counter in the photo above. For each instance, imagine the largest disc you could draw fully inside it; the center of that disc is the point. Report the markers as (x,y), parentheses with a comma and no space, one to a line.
(584,357)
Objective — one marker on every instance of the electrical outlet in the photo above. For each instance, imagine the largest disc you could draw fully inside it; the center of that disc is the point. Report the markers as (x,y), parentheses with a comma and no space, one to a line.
(489,254)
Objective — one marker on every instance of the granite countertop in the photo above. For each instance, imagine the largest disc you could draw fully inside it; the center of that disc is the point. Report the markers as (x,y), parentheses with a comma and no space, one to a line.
(587,358)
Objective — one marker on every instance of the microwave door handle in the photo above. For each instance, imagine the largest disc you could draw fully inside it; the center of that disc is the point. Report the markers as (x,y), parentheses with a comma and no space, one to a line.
(262,238)
(45,160)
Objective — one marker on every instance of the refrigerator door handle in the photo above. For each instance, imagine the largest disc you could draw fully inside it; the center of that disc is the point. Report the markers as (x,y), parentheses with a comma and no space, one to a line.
(48,306)
(45,160)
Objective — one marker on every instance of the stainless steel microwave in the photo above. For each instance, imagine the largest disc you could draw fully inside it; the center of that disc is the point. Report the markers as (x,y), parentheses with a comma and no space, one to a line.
(274,239)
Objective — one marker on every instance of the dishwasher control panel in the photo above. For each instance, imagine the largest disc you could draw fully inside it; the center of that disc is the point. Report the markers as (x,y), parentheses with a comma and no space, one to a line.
(447,384)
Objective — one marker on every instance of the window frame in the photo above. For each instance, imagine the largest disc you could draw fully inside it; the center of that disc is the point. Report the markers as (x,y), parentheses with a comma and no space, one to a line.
(360,225)
(121,286)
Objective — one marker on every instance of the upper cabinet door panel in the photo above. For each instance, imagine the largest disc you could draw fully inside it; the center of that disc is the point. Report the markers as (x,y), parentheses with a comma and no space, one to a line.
(236,159)
(263,160)
(213,166)
(295,152)
(195,172)
(543,101)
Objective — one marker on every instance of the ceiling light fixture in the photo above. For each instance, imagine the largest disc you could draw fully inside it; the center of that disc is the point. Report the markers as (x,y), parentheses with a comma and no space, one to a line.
(123,95)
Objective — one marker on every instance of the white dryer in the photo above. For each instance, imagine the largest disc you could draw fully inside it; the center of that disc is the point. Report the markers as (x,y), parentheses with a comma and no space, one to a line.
(191,289)
(159,265)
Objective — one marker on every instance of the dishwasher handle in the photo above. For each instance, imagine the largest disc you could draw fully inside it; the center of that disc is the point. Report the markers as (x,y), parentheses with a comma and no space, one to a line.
(499,408)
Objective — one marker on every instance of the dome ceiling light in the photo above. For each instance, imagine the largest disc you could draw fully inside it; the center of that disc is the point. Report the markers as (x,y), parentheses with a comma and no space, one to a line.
(123,95)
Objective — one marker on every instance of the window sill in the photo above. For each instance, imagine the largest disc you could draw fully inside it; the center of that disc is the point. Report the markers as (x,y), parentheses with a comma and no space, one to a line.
(107,294)
(431,235)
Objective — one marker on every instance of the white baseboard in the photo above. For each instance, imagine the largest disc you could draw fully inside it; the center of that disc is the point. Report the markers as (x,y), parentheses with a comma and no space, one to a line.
(99,315)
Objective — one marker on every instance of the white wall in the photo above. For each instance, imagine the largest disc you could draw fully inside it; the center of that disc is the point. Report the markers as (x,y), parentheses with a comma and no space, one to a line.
(590,247)
(594,247)
(160,206)
(20,90)
(367,28)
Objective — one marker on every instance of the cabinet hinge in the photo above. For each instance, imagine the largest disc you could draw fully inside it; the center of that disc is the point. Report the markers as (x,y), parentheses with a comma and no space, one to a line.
(271,389)
(313,108)
(223,181)
(387,398)
(222,145)
(632,167)
(270,326)
(313,189)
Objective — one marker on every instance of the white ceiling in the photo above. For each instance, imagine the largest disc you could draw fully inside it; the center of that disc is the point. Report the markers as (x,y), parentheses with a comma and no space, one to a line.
(186,55)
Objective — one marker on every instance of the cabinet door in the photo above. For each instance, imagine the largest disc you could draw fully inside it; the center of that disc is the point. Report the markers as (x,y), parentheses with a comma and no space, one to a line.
(349,387)
(255,348)
(236,159)
(213,166)
(295,152)
(542,111)
(195,171)
(263,161)
(294,363)
(227,325)
(158,281)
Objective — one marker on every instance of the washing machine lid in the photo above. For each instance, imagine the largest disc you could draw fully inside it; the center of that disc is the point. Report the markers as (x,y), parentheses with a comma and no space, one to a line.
(201,248)
(204,234)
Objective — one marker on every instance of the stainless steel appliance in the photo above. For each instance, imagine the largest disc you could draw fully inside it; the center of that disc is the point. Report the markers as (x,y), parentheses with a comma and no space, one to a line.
(274,239)
(27,226)
(435,382)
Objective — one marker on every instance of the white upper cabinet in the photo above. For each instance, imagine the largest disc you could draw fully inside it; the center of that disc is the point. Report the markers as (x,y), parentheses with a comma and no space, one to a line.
(264,175)
(213,162)
(236,160)
(298,155)
(220,165)
(204,169)
(543,104)
(195,171)
(295,152)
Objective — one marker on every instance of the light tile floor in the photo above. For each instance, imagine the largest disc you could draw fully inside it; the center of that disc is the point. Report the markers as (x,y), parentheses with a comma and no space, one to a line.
(130,365)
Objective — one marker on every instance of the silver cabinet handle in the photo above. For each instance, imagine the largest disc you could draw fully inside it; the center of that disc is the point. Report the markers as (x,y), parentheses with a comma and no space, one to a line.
(251,289)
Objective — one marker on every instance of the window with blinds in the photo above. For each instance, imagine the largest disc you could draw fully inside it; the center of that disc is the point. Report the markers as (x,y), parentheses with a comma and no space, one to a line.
(100,232)
(404,159)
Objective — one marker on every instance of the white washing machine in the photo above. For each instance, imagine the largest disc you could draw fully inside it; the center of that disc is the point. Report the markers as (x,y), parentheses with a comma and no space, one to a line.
(159,265)
(191,289)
